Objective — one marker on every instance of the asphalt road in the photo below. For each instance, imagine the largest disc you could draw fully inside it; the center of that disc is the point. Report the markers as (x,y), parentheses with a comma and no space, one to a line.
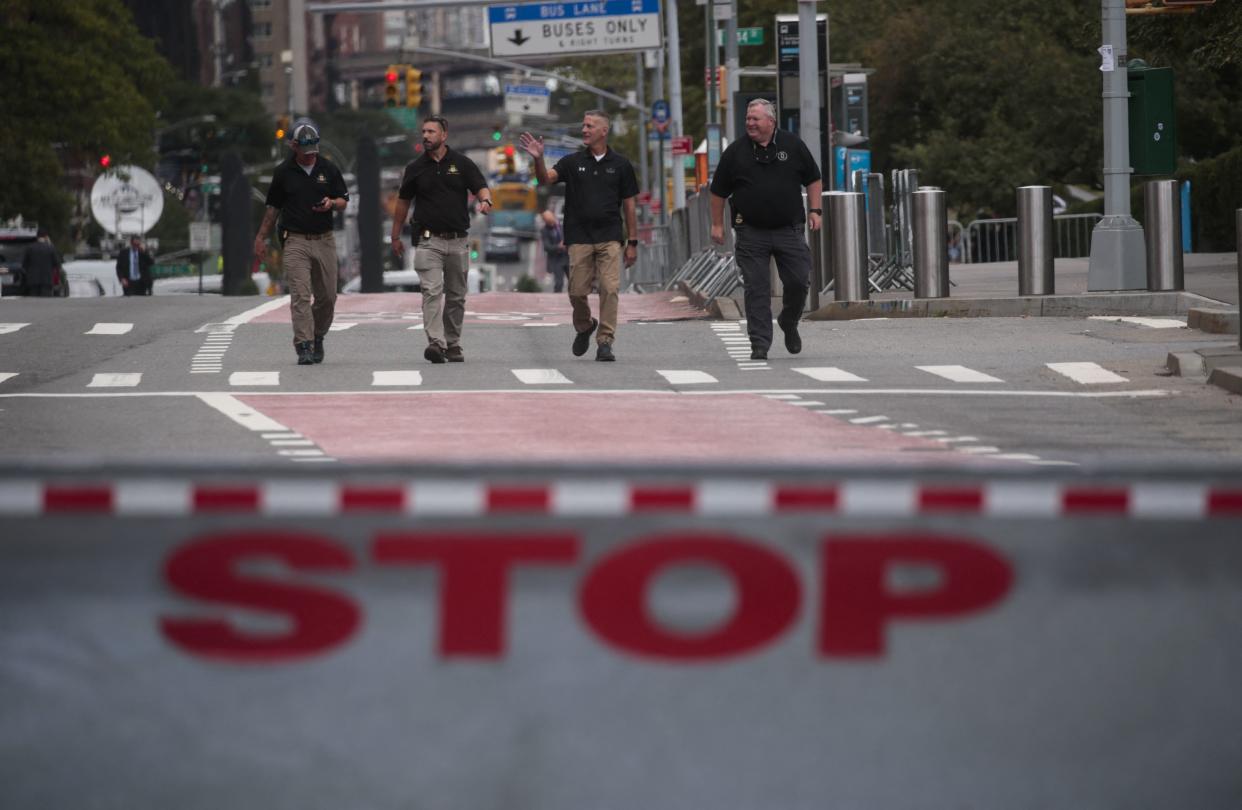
(171,386)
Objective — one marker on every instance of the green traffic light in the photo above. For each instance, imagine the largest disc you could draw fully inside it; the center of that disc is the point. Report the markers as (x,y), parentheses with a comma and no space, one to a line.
(474,255)
(496,136)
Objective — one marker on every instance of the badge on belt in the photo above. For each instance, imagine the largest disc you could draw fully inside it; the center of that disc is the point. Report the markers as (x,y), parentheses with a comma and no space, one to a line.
(737,219)
(426,234)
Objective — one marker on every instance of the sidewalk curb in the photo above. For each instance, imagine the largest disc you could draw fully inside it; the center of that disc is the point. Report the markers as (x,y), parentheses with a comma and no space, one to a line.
(1213,321)
(1185,364)
(1063,306)
(1227,377)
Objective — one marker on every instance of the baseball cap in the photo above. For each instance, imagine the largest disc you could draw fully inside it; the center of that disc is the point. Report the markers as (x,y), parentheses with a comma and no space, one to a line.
(306,136)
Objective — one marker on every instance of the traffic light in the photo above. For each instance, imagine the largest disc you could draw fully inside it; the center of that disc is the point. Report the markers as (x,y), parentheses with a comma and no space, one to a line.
(413,87)
(105,161)
(722,87)
(282,127)
(507,163)
(391,91)
(497,133)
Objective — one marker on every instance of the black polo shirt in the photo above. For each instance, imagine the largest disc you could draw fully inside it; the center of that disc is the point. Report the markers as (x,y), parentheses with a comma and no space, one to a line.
(295,193)
(439,190)
(765,184)
(594,191)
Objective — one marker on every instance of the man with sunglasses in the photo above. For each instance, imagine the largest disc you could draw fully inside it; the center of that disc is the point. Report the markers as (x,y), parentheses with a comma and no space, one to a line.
(762,176)
(438,183)
(305,191)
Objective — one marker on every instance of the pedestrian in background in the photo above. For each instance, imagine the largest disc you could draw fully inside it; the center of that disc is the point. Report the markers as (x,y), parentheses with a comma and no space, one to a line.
(439,183)
(599,185)
(553,237)
(304,192)
(133,268)
(762,176)
(41,267)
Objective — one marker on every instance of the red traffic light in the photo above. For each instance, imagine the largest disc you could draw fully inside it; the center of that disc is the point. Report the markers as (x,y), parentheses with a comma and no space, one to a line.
(391,75)
(509,150)
(105,161)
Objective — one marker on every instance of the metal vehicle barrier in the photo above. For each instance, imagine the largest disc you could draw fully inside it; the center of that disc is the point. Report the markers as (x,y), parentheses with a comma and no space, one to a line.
(1036,250)
(996,240)
(651,269)
(931,255)
(1162,230)
(847,250)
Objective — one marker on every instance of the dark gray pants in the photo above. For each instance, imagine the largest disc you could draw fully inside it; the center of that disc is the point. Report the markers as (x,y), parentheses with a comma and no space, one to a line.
(753,247)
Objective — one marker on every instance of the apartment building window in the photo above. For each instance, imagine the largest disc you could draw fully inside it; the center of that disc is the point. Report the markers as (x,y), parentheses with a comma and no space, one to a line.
(266,60)
(260,3)
(261,30)
(268,90)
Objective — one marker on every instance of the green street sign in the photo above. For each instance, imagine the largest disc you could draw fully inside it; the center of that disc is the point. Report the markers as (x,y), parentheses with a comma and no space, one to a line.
(405,116)
(745,36)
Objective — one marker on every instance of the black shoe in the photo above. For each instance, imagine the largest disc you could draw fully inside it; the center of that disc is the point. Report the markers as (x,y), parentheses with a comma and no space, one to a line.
(793,341)
(434,353)
(317,351)
(306,353)
(582,340)
(454,354)
(604,353)
(758,354)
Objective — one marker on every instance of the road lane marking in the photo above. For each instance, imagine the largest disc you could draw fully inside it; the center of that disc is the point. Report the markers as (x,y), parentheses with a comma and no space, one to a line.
(541,376)
(110,329)
(868,420)
(262,309)
(686,377)
(1087,373)
(7,375)
(242,414)
(1151,323)
(254,378)
(840,412)
(10,328)
(341,327)
(960,374)
(830,374)
(1150,393)
(115,381)
(396,378)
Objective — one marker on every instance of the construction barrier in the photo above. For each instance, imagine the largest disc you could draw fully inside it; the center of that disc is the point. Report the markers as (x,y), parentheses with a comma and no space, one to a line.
(566,639)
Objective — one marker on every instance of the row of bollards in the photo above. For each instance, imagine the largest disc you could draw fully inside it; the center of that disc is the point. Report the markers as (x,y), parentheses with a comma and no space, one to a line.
(849,229)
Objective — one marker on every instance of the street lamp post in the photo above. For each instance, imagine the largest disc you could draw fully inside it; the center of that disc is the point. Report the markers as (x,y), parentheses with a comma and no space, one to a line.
(1118,253)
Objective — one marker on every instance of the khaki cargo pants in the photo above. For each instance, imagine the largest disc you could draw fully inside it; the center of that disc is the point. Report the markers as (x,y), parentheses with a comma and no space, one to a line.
(589,265)
(310,270)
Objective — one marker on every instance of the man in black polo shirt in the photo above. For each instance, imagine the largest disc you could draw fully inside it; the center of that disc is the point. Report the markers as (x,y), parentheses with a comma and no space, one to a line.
(763,175)
(599,184)
(438,183)
(305,190)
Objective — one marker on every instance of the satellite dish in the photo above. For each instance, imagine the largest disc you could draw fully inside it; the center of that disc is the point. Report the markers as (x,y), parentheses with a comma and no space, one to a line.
(127,201)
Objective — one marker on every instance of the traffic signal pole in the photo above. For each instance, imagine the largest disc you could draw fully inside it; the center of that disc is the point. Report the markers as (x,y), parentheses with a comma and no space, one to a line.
(1118,252)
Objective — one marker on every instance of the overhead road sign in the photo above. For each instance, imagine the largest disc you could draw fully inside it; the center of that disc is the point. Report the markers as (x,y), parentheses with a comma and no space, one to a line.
(605,26)
(527,99)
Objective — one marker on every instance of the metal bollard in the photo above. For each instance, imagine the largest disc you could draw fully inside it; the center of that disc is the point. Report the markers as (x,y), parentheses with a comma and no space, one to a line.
(931,249)
(847,249)
(1162,230)
(1036,248)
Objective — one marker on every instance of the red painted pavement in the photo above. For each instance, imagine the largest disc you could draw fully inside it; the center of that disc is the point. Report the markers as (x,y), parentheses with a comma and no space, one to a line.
(498,308)
(587,428)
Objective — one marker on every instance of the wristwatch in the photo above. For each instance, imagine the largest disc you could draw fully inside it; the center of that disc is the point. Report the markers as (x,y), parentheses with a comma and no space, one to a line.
(632,243)
(819,211)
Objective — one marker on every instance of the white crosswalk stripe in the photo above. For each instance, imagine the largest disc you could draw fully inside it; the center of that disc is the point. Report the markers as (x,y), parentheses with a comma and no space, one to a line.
(115,381)
(396,378)
(686,377)
(959,374)
(830,374)
(1087,373)
(541,376)
(7,375)
(110,329)
(10,328)
(254,378)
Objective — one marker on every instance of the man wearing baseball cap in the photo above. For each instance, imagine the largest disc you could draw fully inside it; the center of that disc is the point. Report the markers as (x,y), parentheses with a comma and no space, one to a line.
(305,190)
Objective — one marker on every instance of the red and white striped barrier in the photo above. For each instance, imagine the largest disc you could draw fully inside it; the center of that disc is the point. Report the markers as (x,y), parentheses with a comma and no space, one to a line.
(706,497)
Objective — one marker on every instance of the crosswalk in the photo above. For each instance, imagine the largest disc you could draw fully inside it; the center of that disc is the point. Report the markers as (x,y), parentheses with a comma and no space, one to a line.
(1080,373)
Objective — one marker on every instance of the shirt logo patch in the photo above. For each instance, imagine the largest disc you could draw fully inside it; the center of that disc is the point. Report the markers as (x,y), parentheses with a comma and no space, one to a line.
(452,169)
(582,168)
(782,155)
(610,170)
(322,179)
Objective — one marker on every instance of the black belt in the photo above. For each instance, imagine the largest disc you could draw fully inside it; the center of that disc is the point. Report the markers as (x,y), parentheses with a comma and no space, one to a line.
(323,235)
(445,234)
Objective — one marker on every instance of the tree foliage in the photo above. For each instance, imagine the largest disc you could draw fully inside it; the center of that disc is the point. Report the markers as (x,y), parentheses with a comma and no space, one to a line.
(79,82)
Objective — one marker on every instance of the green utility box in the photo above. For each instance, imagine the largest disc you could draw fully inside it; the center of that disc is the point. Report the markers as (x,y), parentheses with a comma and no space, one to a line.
(1153,124)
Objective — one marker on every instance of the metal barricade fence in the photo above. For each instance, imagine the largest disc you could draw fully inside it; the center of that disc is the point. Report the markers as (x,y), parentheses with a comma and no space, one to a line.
(652,268)
(996,240)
